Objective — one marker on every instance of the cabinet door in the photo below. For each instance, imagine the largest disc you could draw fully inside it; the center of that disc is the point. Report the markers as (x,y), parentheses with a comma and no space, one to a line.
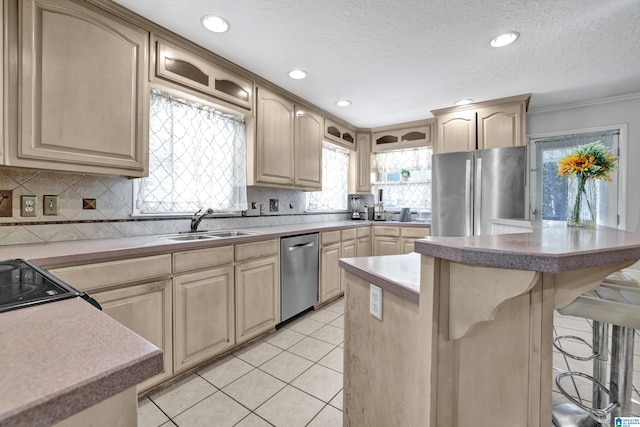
(146,310)
(407,245)
(456,132)
(364,247)
(203,316)
(362,166)
(83,90)
(384,245)
(329,272)
(348,249)
(274,139)
(185,68)
(501,126)
(257,297)
(308,150)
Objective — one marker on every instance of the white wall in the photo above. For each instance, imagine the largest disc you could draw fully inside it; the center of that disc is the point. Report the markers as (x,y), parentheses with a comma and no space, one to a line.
(611,111)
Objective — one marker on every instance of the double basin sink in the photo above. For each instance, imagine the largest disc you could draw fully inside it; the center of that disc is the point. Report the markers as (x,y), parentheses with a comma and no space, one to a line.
(205,235)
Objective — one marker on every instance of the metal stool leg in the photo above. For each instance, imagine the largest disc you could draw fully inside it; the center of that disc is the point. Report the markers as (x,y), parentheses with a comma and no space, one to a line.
(601,349)
(621,370)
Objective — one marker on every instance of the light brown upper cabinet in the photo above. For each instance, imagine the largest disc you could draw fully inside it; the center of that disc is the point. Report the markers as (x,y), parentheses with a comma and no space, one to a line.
(360,165)
(82,88)
(403,135)
(308,149)
(340,133)
(180,66)
(288,144)
(491,124)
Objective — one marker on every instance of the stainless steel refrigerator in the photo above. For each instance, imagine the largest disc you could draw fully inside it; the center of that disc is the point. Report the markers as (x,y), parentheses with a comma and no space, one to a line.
(470,188)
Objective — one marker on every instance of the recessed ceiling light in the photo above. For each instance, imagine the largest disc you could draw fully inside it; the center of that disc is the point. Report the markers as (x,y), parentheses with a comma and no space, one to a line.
(505,39)
(343,103)
(464,101)
(216,24)
(297,74)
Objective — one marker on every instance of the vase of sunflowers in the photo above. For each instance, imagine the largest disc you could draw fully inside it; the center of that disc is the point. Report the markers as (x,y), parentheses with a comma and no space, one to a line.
(583,167)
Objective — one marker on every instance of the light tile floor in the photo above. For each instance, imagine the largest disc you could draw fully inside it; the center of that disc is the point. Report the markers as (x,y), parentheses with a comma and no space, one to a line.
(290,378)
(580,388)
(294,378)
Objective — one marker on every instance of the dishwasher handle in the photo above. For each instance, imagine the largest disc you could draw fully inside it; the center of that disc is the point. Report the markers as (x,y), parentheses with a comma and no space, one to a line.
(301,246)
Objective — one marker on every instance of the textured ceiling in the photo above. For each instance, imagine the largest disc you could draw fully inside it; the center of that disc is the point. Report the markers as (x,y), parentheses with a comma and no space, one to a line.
(397,60)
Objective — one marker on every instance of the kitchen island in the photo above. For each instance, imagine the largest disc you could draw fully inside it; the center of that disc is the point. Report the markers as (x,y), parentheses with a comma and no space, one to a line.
(476,349)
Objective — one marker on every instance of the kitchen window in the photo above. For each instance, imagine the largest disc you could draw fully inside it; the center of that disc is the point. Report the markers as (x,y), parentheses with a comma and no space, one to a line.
(197,159)
(335,172)
(405,178)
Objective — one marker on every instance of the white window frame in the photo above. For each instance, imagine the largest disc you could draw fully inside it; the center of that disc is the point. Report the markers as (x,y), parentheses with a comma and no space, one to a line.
(621,155)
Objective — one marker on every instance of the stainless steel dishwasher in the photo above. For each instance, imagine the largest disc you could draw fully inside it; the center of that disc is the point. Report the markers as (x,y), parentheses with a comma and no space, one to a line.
(298,274)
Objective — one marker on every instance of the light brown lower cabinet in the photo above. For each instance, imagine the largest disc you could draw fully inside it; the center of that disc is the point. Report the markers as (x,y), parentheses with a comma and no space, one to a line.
(396,240)
(257,297)
(146,310)
(203,315)
(329,270)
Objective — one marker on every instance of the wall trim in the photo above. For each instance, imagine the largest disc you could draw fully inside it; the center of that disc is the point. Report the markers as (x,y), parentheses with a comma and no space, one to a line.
(587,103)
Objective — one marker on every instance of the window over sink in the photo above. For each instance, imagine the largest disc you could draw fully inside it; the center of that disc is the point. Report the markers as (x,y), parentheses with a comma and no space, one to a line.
(197,159)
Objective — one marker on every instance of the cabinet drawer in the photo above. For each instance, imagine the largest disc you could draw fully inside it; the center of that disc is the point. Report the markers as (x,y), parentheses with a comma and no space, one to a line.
(105,274)
(256,249)
(416,232)
(363,232)
(386,231)
(348,234)
(329,237)
(202,258)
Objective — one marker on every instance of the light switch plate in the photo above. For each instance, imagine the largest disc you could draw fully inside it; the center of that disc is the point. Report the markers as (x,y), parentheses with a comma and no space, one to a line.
(375,301)
(28,206)
(50,205)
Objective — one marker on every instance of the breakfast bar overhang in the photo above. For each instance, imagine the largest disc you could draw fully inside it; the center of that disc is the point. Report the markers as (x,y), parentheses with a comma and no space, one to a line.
(467,325)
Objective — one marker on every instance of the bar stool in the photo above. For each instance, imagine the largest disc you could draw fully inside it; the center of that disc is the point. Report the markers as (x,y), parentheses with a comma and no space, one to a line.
(615,302)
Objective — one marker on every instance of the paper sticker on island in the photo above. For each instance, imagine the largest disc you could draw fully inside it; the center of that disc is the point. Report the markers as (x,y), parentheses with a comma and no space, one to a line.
(627,421)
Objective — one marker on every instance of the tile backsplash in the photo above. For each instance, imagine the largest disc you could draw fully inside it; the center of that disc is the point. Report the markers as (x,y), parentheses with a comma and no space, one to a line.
(113,206)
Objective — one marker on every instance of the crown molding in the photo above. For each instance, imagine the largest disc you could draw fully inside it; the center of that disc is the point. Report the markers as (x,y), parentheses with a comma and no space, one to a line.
(587,103)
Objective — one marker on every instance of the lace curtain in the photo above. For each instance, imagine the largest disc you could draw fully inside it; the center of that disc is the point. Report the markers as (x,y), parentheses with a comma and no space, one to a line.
(335,172)
(196,159)
(413,191)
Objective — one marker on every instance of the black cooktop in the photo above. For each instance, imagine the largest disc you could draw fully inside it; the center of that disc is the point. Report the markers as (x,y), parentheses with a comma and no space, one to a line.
(23,284)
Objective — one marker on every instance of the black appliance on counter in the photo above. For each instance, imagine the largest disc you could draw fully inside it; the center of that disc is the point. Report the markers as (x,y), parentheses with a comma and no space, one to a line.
(23,284)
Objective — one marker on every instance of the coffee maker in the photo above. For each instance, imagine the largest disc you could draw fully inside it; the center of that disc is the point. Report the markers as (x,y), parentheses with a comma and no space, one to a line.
(355,208)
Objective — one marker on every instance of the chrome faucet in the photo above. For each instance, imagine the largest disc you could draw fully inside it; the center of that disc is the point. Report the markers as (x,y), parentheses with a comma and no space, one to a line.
(196,220)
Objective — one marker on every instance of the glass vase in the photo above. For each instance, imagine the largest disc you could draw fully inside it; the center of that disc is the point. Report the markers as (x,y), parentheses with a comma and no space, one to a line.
(581,202)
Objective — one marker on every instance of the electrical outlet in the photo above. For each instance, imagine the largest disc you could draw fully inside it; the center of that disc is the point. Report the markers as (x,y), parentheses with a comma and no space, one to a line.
(262,208)
(50,205)
(28,206)
(375,301)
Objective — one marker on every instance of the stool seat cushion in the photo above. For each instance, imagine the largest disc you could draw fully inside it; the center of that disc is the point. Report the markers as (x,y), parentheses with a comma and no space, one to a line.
(624,277)
(614,304)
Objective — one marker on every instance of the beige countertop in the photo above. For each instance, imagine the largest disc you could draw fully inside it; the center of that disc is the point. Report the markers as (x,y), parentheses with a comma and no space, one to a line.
(60,358)
(399,274)
(77,251)
(551,246)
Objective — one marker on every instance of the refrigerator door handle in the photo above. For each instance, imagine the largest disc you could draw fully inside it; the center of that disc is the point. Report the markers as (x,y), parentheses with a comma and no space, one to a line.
(477,205)
(468,203)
